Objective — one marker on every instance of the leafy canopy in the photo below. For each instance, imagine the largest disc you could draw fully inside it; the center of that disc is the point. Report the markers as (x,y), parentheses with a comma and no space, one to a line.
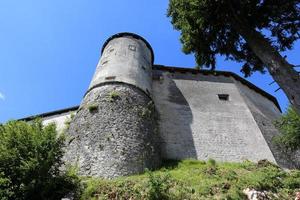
(209,27)
(289,126)
(30,161)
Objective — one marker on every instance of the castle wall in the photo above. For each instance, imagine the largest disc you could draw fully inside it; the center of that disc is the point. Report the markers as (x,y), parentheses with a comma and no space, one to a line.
(194,123)
(113,132)
(125,60)
(133,114)
(60,120)
(118,138)
(265,113)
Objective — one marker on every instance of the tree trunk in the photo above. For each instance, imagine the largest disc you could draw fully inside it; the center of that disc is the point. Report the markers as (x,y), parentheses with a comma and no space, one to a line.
(281,71)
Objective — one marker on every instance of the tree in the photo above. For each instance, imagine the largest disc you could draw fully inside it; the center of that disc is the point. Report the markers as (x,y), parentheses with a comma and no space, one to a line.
(30,162)
(289,126)
(250,31)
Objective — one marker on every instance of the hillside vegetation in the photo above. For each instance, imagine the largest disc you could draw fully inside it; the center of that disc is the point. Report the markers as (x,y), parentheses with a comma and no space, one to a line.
(190,179)
(31,163)
(31,167)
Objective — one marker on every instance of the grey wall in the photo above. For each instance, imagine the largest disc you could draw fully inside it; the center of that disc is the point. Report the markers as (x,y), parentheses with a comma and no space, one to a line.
(194,123)
(117,137)
(265,113)
(113,132)
(126,60)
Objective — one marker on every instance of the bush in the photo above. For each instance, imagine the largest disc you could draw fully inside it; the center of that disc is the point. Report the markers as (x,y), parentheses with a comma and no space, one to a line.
(159,186)
(289,126)
(30,162)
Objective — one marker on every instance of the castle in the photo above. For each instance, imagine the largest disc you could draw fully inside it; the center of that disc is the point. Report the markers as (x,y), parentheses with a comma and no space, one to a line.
(136,114)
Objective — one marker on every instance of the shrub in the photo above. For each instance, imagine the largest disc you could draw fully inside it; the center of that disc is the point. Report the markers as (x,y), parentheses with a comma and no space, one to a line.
(93,108)
(159,186)
(289,126)
(30,161)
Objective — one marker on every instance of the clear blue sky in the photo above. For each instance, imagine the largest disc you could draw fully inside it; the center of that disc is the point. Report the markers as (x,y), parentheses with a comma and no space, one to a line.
(49,49)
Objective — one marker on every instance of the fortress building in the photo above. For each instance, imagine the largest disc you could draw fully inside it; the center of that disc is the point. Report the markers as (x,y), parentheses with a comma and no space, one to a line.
(136,114)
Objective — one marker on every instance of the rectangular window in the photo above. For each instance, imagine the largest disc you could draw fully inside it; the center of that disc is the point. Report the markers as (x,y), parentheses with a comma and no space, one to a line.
(132,48)
(223,97)
(110,78)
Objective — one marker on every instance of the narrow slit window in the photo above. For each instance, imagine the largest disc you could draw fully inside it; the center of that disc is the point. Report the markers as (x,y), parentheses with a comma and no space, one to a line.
(104,62)
(223,97)
(110,78)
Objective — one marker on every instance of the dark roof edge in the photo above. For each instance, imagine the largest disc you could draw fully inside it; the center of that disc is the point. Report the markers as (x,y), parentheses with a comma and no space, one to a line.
(224,73)
(124,34)
(52,113)
(174,69)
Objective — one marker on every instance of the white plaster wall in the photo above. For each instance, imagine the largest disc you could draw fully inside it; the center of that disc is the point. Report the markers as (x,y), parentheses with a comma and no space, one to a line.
(60,120)
(194,123)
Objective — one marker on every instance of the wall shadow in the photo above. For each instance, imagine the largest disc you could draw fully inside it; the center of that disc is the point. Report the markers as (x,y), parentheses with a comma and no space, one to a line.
(176,136)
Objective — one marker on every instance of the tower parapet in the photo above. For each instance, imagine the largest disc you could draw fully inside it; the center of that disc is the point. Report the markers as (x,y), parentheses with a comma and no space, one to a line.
(114,131)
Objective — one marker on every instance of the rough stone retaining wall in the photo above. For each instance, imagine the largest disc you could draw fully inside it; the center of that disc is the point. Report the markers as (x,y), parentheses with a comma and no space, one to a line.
(114,133)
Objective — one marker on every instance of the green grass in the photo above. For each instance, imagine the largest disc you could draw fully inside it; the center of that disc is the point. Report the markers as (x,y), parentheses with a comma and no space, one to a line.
(191,179)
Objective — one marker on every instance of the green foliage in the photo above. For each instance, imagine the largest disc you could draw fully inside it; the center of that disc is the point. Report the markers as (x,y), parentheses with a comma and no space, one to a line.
(209,28)
(93,108)
(158,186)
(148,111)
(121,189)
(289,126)
(211,167)
(113,95)
(30,161)
(68,122)
(190,179)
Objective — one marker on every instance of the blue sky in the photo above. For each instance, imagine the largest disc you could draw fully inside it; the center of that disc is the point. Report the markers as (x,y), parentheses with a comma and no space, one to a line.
(49,49)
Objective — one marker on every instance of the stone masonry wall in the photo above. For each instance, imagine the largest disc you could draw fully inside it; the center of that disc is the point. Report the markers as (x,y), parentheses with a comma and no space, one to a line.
(195,123)
(113,133)
(265,113)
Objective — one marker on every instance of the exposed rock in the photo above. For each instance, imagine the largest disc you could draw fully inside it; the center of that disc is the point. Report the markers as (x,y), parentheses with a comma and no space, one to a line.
(297,196)
(255,195)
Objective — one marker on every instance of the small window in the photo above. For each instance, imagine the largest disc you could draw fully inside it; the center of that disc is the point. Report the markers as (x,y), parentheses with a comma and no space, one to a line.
(132,48)
(110,78)
(223,97)
(104,62)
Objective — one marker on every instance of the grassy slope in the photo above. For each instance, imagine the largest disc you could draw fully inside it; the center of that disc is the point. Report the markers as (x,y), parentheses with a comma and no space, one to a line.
(190,179)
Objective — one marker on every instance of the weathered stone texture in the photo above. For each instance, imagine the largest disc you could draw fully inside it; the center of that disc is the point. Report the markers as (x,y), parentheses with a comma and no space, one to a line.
(195,123)
(114,133)
(127,60)
(265,113)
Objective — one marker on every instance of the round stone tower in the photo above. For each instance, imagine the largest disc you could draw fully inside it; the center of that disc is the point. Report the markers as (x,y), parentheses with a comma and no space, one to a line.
(114,131)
